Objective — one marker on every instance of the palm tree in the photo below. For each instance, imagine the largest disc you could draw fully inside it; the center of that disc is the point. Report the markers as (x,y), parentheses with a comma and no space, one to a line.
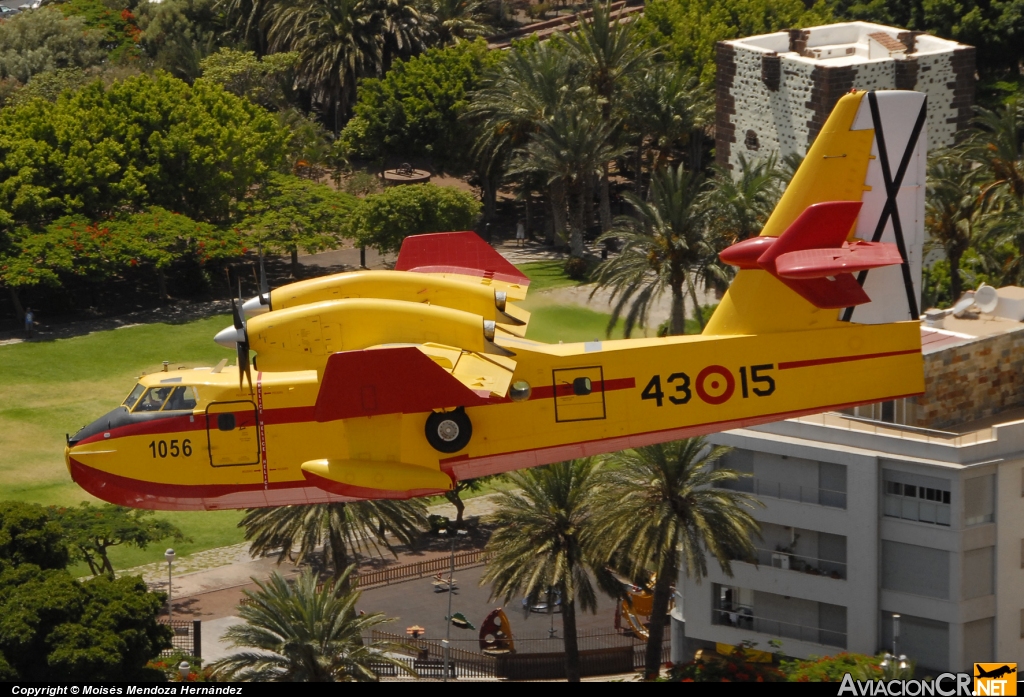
(531,84)
(659,507)
(405,30)
(338,42)
(955,212)
(342,529)
(299,633)
(663,246)
(569,150)
(541,542)
(667,107)
(739,206)
(609,52)
(458,19)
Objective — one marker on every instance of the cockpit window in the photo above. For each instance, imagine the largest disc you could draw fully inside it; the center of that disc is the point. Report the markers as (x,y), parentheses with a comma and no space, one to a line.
(153,399)
(183,398)
(131,399)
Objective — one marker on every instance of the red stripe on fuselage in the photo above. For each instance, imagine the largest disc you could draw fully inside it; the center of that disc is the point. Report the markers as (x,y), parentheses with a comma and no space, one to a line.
(844,359)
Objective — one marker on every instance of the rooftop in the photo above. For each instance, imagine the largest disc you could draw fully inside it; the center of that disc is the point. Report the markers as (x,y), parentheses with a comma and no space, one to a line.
(847,43)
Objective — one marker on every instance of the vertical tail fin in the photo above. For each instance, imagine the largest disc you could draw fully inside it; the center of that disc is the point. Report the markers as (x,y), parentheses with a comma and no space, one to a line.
(871,151)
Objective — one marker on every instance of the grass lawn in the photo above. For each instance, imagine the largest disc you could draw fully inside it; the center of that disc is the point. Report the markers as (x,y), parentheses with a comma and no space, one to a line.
(544,275)
(554,323)
(51,388)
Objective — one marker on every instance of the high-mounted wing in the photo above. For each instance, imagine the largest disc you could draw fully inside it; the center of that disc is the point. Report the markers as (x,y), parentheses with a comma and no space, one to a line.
(462,255)
(408,380)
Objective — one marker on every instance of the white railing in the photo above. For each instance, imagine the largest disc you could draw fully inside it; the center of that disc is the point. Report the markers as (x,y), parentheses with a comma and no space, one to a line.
(789,491)
(743,617)
(793,561)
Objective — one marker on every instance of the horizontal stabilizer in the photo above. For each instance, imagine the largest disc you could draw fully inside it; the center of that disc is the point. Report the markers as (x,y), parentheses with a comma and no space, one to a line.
(850,258)
(461,253)
(401,380)
(371,479)
(813,258)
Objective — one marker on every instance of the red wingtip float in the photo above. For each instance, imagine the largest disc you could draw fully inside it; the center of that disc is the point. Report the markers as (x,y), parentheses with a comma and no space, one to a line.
(814,258)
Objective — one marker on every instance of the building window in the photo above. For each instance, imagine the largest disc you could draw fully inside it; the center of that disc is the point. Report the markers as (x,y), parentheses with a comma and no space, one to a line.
(927,641)
(914,497)
(979,500)
(979,572)
(915,569)
(780,616)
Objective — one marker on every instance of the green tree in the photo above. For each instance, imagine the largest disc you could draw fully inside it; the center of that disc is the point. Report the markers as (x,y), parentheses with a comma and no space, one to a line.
(301,633)
(265,81)
(91,531)
(687,30)
(416,108)
(291,214)
(54,628)
(178,34)
(664,246)
(115,21)
(661,507)
(384,220)
(342,529)
(29,536)
(45,40)
(144,141)
(542,540)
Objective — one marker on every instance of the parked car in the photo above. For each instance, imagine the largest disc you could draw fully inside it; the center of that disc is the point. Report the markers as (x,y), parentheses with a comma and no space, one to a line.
(7,12)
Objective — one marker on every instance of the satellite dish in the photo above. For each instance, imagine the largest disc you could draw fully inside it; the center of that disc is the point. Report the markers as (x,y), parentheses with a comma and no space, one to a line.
(986,298)
(963,305)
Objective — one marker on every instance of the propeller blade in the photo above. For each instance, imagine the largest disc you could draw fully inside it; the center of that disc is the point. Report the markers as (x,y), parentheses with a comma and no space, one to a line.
(243,364)
(264,285)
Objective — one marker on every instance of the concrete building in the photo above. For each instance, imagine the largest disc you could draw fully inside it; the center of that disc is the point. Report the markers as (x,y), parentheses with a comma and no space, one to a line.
(775,91)
(913,507)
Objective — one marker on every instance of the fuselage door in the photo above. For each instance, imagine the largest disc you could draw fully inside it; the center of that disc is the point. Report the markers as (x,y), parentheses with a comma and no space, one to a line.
(233,434)
(579,394)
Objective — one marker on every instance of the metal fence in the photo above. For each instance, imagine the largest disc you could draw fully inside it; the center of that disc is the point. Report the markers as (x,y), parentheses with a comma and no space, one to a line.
(743,617)
(789,491)
(188,638)
(793,561)
(536,657)
(405,572)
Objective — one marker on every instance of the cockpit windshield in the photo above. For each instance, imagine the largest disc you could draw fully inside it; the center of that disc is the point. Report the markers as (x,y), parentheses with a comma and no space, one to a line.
(131,399)
(153,399)
(183,398)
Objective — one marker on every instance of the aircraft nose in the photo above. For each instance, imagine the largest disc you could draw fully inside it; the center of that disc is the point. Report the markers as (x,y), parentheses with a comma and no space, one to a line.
(229,337)
(253,306)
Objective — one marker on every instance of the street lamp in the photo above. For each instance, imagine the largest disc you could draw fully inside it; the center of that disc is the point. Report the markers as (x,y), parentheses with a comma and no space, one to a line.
(169,556)
(183,670)
(448,622)
(895,632)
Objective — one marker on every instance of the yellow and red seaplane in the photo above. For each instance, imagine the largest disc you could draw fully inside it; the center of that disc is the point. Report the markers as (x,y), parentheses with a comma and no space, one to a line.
(396,384)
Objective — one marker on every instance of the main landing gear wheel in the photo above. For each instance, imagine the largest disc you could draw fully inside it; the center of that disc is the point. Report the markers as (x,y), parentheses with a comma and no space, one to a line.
(450,431)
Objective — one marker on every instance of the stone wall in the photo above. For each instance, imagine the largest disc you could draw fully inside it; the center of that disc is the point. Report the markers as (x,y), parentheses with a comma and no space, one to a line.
(970,382)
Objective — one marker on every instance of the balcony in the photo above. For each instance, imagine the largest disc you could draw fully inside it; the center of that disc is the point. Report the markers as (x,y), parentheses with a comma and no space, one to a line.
(796,562)
(789,492)
(743,617)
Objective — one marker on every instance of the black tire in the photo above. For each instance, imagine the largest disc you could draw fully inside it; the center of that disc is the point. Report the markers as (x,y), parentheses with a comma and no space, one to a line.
(450,431)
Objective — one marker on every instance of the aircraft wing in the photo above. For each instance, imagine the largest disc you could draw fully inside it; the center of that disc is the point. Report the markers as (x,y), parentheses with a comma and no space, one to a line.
(409,379)
(463,256)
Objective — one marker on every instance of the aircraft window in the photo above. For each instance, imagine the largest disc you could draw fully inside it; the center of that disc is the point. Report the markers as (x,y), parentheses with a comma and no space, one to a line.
(226,422)
(581,386)
(153,399)
(520,391)
(181,399)
(131,399)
